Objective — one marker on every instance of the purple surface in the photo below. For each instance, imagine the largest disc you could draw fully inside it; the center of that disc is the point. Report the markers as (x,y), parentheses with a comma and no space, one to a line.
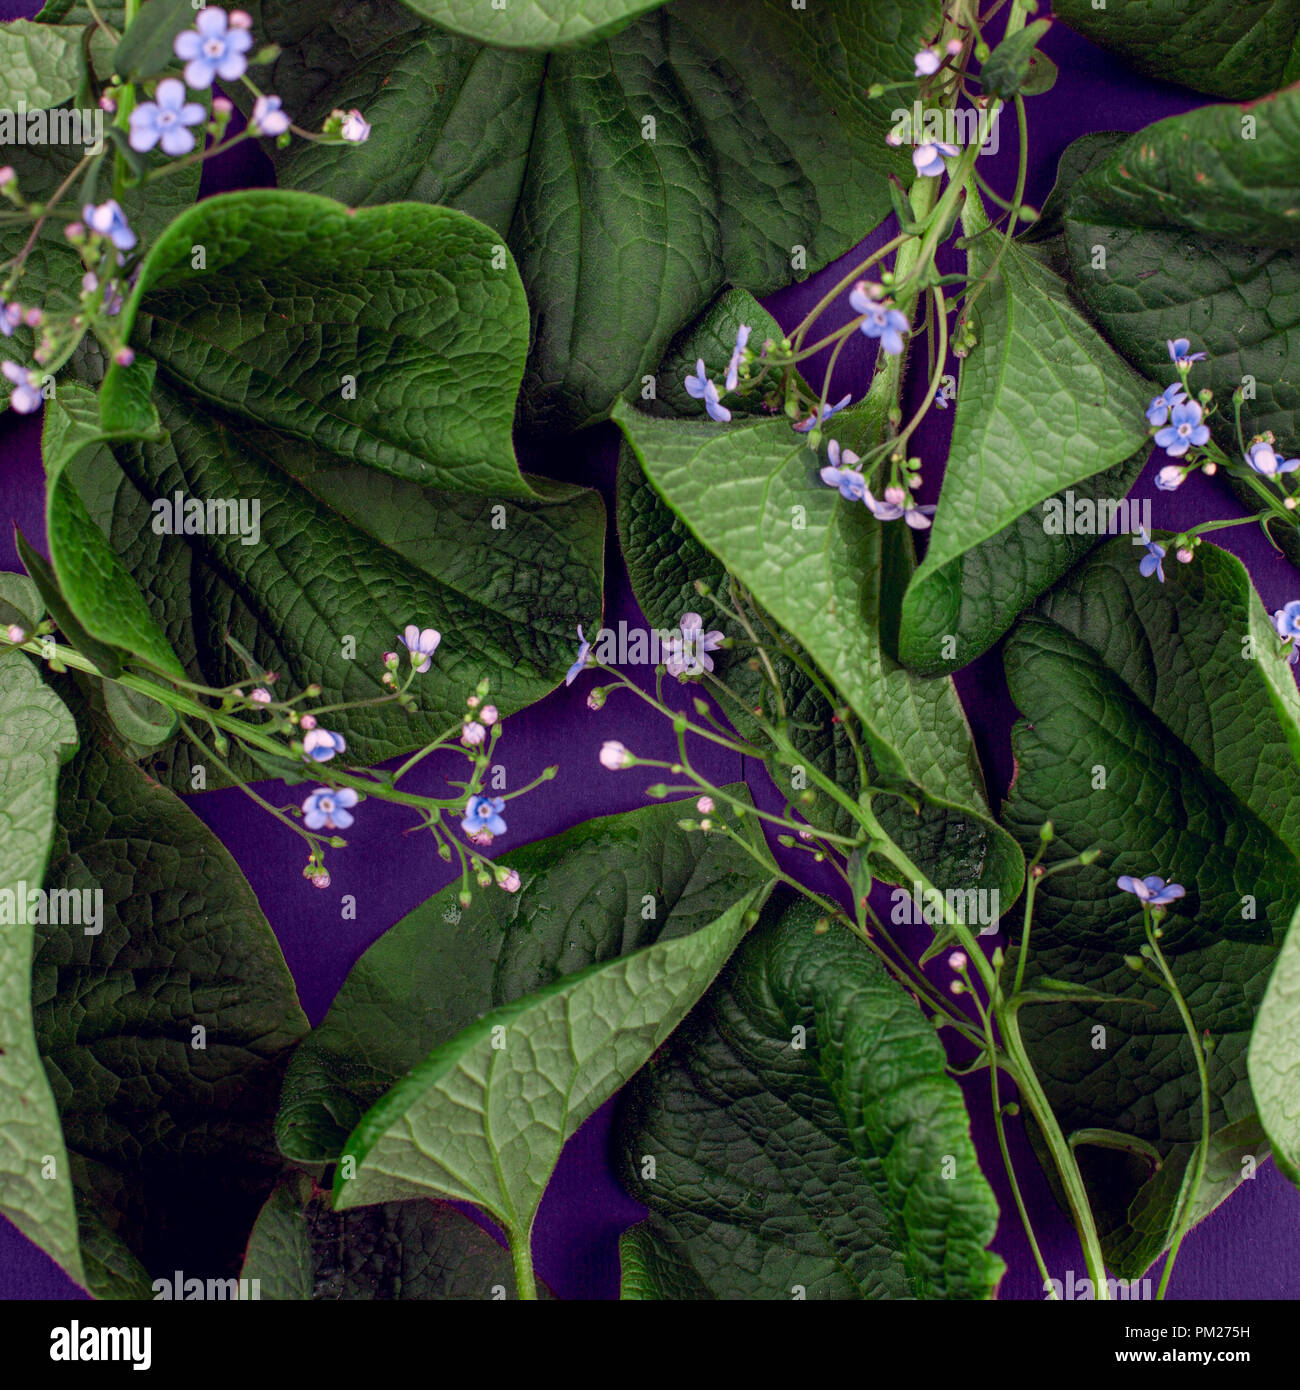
(1248,1249)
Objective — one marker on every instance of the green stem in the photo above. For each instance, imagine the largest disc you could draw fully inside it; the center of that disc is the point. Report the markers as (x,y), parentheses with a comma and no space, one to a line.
(521,1256)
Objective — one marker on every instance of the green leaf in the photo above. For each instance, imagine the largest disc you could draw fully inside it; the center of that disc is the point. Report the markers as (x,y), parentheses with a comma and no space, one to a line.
(145,49)
(831,575)
(1163,726)
(386,335)
(349,552)
(1043,406)
(767,159)
(20,602)
(40,64)
(807,1140)
(168,1129)
(1190,229)
(1217,46)
(582,986)
(301,1250)
(92,579)
(36,734)
(533,23)
(1274,1058)
(1016,67)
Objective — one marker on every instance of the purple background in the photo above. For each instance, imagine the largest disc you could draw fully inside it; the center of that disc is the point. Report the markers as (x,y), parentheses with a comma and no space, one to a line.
(1247,1249)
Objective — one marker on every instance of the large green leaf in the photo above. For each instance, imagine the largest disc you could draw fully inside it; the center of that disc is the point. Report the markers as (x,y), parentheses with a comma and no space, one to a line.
(1043,405)
(484,1116)
(1162,726)
(1222,47)
(1190,229)
(1274,1057)
(587,897)
(765,157)
(301,1250)
(163,1034)
(800,1138)
(36,734)
(533,23)
(350,552)
(831,575)
(394,336)
(40,64)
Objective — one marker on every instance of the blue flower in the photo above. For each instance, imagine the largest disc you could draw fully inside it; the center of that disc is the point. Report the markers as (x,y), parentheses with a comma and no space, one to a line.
(1152,891)
(421,645)
(320,745)
(1150,562)
(165,120)
(584,655)
(823,413)
(927,62)
(1287,619)
(688,652)
(327,809)
(879,320)
(1179,352)
(847,478)
(702,389)
(1263,458)
(213,49)
(1161,405)
(1183,430)
(11,315)
(1170,478)
(109,220)
(483,817)
(26,396)
(269,116)
(733,367)
(928,158)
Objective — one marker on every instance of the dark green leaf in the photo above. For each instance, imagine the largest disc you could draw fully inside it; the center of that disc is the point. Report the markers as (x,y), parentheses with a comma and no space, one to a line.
(767,159)
(145,49)
(1275,1057)
(800,1138)
(533,24)
(1016,67)
(1163,726)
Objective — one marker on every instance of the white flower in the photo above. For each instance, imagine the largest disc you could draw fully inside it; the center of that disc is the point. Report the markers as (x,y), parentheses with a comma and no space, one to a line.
(355,128)
(614,756)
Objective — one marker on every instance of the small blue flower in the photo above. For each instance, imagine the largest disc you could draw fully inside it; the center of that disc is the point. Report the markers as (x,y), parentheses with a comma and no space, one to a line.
(327,809)
(898,503)
(733,367)
(927,62)
(928,158)
(483,817)
(109,220)
(1180,354)
(584,655)
(213,48)
(11,315)
(421,645)
(1152,891)
(26,396)
(1150,562)
(320,745)
(1287,619)
(841,473)
(688,651)
(823,413)
(269,116)
(1263,458)
(879,320)
(943,395)
(1161,405)
(165,120)
(1170,478)
(1183,430)
(702,389)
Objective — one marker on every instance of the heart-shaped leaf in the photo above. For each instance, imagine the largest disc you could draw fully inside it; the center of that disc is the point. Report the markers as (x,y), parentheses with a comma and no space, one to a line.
(40,65)
(800,1138)
(1163,726)
(701,145)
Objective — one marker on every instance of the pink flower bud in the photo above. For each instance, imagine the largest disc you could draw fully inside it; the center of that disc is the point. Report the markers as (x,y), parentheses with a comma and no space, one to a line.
(957,961)
(473,734)
(509,880)
(1184,555)
(308,721)
(260,696)
(15,634)
(704,805)
(124,356)
(614,756)
(488,714)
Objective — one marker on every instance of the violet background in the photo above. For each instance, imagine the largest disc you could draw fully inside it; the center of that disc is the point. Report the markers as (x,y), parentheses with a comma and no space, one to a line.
(1247,1249)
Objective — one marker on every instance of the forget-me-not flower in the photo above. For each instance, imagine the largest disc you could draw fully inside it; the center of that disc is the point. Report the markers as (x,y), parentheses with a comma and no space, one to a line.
(213,48)
(483,817)
(1170,478)
(1180,353)
(166,120)
(820,416)
(1183,430)
(879,320)
(733,367)
(269,116)
(320,745)
(702,389)
(327,809)
(1287,622)
(842,473)
(688,653)
(1150,563)
(1161,405)
(26,395)
(109,220)
(584,655)
(421,644)
(1152,890)
(1263,458)
(928,158)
